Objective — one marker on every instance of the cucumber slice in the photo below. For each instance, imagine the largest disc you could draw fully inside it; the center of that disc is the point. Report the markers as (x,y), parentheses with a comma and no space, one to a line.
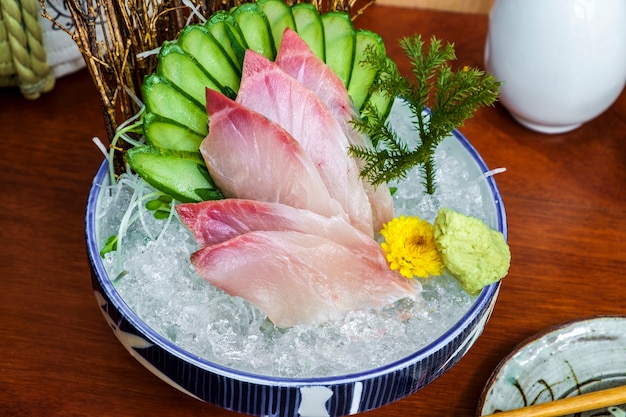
(185,72)
(379,102)
(224,29)
(279,17)
(168,134)
(310,28)
(211,55)
(339,40)
(198,42)
(255,28)
(181,175)
(363,75)
(162,97)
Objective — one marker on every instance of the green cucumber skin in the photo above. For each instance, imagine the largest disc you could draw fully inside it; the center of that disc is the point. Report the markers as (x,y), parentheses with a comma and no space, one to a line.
(363,75)
(226,31)
(175,173)
(256,29)
(184,71)
(162,97)
(279,17)
(168,134)
(198,42)
(310,27)
(339,41)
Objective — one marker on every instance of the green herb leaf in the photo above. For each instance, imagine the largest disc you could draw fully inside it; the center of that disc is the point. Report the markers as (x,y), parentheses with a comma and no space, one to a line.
(452,96)
(161,206)
(161,214)
(109,246)
(153,205)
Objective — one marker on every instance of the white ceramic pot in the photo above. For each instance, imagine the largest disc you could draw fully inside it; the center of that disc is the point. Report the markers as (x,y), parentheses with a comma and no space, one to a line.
(563,62)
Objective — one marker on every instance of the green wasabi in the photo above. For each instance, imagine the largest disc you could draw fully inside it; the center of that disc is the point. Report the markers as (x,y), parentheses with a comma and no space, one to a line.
(472,252)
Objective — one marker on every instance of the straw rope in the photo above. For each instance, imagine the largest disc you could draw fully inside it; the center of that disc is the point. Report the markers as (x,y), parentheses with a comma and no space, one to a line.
(23,60)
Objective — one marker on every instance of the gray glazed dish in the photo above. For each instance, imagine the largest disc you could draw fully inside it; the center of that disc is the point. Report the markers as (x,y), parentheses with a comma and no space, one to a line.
(262,395)
(574,358)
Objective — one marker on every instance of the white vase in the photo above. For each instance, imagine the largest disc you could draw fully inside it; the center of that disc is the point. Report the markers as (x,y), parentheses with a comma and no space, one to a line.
(563,62)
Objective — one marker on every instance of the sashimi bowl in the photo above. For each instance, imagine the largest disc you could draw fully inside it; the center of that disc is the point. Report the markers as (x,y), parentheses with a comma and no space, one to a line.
(250,376)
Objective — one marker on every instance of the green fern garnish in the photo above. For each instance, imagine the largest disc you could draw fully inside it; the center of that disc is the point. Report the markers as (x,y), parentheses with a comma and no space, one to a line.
(452,96)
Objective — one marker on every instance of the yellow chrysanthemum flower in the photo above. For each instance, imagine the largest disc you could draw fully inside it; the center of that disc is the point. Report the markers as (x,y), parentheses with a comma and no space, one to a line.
(410,247)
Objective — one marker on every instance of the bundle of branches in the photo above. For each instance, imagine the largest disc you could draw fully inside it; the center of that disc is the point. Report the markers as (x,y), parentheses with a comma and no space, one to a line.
(114,36)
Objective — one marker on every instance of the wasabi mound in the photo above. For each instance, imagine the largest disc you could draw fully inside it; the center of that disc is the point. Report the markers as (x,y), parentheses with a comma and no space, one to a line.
(472,252)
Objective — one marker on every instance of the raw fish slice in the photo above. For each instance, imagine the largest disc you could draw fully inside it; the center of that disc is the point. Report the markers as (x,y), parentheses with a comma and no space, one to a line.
(267,89)
(297,278)
(248,156)
(296,59)
(216,221)
(213,222)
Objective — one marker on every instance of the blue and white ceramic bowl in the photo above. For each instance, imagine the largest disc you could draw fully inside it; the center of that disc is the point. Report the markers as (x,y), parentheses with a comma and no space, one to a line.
(563,361)
(260,395)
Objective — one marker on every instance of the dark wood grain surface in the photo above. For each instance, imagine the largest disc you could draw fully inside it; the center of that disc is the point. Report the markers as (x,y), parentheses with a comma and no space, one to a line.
(565,197)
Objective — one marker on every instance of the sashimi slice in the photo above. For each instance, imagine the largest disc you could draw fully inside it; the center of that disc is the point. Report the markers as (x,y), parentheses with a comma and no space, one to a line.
(250,157)
(215,221)
(297,59)
(267,89)
(297,279)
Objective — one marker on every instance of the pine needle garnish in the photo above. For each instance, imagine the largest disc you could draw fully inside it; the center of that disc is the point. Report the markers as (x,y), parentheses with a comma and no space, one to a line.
(439,98)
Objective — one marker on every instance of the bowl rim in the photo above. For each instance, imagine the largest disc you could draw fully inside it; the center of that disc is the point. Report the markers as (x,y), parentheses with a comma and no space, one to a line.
(481,303)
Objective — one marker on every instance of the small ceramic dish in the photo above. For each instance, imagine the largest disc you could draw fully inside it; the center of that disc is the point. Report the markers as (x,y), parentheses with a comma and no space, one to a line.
(563,361)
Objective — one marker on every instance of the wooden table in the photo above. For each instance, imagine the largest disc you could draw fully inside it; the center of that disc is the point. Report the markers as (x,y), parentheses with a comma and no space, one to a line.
(565,197)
